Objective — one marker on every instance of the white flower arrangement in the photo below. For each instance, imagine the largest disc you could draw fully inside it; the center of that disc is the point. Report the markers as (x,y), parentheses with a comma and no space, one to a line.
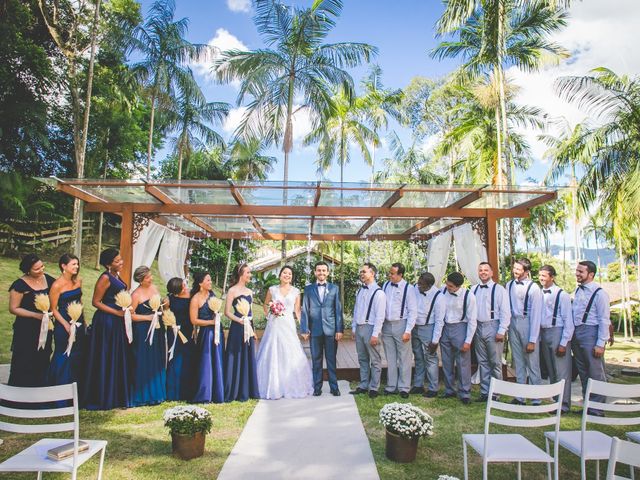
(406,420)
(447,477)
(187,419)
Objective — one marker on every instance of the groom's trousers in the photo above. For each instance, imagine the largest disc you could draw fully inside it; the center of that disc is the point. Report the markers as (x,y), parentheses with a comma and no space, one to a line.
(398,355)
(327,346)
(369,358)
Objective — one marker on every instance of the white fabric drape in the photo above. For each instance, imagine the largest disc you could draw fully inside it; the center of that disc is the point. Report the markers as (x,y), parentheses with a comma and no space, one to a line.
(470,251)
(173,255)
(145,249)
(438,255)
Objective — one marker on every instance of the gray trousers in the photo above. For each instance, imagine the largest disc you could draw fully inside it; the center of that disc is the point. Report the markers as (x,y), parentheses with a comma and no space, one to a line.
(527,364)
(584,340)
(489,353)
(369,358)
(398,355)
(559,367)
(426,363)
(452,340)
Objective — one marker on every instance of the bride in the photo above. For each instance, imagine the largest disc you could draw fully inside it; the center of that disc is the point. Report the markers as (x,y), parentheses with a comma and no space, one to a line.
(283,368)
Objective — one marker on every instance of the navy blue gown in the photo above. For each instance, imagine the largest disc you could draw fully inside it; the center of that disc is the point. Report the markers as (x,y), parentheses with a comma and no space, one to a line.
(107,379)
(181,368)
(29,366)
(68,369)
(209,385)
(148,372)
(241,381)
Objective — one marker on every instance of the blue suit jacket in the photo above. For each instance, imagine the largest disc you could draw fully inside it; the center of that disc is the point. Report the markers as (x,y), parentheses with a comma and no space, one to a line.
(321,318)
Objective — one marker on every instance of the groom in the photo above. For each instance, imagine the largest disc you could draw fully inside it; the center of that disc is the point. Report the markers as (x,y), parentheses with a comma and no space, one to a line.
(322,316)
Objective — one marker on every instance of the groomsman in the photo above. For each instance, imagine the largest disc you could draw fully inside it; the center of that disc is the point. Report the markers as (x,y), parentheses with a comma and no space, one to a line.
(455,334)
(430,306)
(591,321)
(400,317)
(494,317)
(525,299)
(556,330)
(368,317)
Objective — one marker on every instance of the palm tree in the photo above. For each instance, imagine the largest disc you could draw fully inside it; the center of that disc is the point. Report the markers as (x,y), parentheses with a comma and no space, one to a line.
(161,40)
(596,224)
(191,118)
(247,162)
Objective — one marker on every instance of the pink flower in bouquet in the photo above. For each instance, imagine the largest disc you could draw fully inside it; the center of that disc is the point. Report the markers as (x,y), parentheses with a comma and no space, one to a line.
(276,308)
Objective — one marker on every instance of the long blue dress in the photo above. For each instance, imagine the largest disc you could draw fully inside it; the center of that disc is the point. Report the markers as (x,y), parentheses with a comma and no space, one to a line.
(29,366)
(106,384)
(209,385)
(181,368)
(148,372)
(241,381)
(68,369)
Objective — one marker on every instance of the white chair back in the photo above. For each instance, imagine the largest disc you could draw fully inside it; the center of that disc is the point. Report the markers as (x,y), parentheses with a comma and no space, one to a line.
(628,392)
(622,452)
(41,395)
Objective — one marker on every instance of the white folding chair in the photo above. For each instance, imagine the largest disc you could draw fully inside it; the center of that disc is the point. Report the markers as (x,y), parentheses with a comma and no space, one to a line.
(592,444)
(513,447)
(34,458)
(623,452)
(634,436)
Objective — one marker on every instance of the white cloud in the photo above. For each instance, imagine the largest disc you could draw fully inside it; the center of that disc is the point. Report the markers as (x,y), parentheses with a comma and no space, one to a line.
(223,40)
(598,34)
(239,5)
(233,119)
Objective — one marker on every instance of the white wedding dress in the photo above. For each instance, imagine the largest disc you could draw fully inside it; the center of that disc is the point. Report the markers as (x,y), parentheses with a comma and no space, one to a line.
(283,367)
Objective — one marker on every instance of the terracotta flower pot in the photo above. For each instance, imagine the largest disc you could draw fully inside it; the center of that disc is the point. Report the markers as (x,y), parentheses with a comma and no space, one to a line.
(187,447)
(401,449)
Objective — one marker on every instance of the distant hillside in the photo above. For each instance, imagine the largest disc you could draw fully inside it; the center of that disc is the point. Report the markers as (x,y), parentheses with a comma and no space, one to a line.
(607,255)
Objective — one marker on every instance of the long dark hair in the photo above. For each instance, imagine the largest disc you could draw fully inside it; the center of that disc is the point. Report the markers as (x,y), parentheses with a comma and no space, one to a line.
(293,274)
(198,278)
(237,272)
(65,259)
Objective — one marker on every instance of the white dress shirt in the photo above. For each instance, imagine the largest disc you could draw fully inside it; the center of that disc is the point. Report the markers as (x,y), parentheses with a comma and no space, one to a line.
(517,290)
(563,318)
(395,292)
(424,301)
(376,316)
(454,310)
(501,309)
(599,313)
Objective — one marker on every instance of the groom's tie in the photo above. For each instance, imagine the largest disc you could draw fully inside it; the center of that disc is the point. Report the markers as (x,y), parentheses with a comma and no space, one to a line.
(322,290)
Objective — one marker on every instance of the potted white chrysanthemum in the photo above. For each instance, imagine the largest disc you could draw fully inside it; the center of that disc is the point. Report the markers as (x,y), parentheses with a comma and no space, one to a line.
(404,424)
(189,426)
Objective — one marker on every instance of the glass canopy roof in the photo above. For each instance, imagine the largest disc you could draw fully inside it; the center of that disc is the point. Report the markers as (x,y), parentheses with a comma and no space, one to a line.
(301,210)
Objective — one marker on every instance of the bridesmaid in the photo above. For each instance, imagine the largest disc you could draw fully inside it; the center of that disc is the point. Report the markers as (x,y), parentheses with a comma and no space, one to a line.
(241,381)
(181,366)
(209,385)
(29,366)
(107,374)
(149,375)
(65,290)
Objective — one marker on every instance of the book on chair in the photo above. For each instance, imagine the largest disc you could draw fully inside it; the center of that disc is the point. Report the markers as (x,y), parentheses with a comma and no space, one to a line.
(66,450)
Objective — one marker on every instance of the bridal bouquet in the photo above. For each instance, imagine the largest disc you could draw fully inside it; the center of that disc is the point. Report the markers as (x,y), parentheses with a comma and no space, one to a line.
(406,420)
(215,304)
(169,319)
(123,300)
(74,309)
(277,308)
(155,303)
(43,304)
(243,307)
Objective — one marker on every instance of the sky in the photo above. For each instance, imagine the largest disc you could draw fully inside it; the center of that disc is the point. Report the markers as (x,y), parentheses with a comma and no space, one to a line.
(599,33)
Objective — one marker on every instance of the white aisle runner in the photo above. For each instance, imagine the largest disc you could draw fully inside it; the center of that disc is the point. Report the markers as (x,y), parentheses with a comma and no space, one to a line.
(312,438)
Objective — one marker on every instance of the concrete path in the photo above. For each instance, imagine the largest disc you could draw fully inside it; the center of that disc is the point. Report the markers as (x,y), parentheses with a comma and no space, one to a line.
(312,438)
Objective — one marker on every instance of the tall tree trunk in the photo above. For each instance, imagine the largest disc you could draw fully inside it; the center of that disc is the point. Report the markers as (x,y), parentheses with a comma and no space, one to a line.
(180,162)
(150,140)
(595,234)
(226,270)
(101,220)
(623,270)
(287,146)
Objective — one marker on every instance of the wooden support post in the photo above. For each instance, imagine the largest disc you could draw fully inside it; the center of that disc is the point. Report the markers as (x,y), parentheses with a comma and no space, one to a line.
(492,245)
(126,243)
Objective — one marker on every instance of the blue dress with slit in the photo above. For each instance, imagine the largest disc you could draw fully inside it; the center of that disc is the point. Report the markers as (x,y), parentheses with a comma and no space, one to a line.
(209,385)
(241,381)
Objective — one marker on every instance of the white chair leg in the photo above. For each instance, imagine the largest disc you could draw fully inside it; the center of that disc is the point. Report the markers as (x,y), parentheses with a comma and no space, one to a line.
(583,468)
(598,469)
(633,474)
(485,469)
(74,474)
(39,475)
(466,467)
(546,442)
(519,471)
(101,463)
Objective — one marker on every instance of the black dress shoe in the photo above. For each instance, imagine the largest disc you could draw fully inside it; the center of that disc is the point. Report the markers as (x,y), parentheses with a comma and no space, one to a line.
(358,391)
(404,394)
(335,392)
(449,395)
(430,394)
(465,401)
(387,392)
(373,393)
(317,393)
(416,390)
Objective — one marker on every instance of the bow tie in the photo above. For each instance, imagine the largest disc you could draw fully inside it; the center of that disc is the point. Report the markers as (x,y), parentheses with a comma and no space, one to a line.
(322,285)
(454,294)
(484,286)
(518,282)
(365,287)
(394,284)
(546,291)
(423,293)
(581,287)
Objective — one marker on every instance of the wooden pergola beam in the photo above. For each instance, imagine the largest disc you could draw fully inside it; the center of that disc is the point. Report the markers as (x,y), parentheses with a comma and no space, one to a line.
(316,202)
(235,193)
(389,202)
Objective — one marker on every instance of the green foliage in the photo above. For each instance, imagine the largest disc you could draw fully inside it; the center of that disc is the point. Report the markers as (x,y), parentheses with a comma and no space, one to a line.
(565,278)
(613,272)
(202,165)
